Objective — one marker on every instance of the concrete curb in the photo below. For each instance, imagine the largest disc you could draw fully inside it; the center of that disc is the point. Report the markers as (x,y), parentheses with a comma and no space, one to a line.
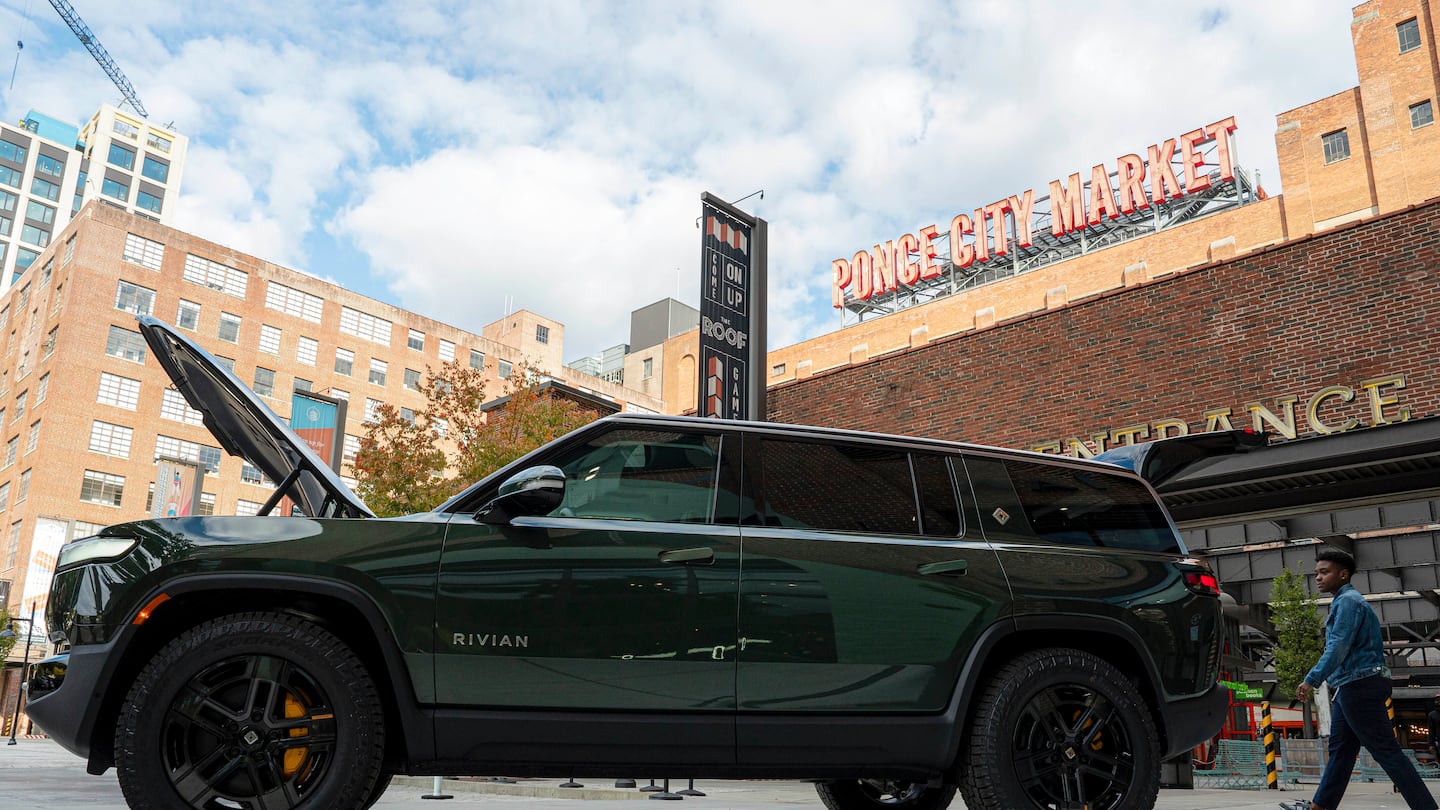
(532,789)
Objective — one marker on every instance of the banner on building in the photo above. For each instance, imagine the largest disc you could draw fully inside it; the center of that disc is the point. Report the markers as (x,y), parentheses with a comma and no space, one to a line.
(177,488)
(732,312)
(318,420)
(50,535)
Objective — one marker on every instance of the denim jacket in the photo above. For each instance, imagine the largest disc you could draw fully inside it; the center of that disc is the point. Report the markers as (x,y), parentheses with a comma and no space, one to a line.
(1353,648)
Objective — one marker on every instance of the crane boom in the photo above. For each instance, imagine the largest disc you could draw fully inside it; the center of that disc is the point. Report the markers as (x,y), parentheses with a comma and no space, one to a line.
(82,32)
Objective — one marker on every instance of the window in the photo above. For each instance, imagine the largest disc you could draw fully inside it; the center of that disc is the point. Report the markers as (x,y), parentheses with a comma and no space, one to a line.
(125,345)
(20,401)
(440,426)
(44,164)
(5,500)
(447,351)
(12,447)
(122,392)
(302,384)
(10,177)
(646,475)
(122,156)
(12,152)
(14,543)
(215,276)
(147,201)
(252,475)
(504,370)
(155,170)
(42,389)
(1075,507)
(1408,33)
(227,362)
(293,302)
(264,382)
(812,485)
(350,449)
(101,488)
(408,415)
(648,368)
(340,393)
(44,188)
(344,362)
(542,333)
(33,438)
(1336,146)
(143,252)
(412,379)
(24,257)
(40,212)
(244,508)
(187,316)
(171,447)
(111,440)
(1421,114)
(477,360)
(114,189)
(134,298)
(81,528)
(6,224)
(126,129)
(269,339)
(32,235)
(369,327)
(174,407)
(8,202)
(378,370)
(157,142)
(372,409)
(416,340)
(777,370)
(306,349)
(229,328)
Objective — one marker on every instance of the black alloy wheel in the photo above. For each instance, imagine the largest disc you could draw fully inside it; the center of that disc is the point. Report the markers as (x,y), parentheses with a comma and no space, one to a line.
(257,711)
(1061,730)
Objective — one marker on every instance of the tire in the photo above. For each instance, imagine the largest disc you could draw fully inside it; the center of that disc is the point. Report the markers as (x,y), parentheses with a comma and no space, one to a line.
(1061,728)
(871,794)
(251,709)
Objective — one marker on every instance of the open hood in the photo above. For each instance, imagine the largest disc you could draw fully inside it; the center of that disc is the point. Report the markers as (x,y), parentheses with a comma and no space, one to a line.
(1163,459)
(246,427)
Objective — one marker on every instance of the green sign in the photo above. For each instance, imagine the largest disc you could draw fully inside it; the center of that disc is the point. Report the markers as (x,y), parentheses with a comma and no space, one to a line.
(1244,691)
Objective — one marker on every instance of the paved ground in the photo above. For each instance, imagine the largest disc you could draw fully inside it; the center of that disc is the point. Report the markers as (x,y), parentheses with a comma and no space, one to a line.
(39,775)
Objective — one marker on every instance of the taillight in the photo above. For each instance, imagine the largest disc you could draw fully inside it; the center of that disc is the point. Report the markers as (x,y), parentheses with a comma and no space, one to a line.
(1202,582)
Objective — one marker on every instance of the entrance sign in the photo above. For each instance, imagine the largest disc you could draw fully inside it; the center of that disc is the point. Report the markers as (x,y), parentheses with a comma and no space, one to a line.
(732,312)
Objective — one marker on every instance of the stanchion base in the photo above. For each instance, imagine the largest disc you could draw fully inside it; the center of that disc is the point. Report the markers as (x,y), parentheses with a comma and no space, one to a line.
(667,796)
(571,784)
(624,783)
(691,792)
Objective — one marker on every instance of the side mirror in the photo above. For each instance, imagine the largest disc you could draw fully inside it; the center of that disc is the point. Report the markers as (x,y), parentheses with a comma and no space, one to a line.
(532,491)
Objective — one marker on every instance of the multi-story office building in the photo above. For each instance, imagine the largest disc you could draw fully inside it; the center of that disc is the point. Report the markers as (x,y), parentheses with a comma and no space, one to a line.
(49,169)
(85,412)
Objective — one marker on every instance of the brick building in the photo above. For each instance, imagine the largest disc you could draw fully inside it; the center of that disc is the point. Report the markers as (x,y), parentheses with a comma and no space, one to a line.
(85,414)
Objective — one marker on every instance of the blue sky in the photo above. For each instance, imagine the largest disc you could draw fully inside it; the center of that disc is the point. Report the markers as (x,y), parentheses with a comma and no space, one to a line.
(456,158)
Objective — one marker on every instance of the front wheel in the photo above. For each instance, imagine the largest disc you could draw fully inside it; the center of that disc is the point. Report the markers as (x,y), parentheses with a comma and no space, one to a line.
(261,711)
(1061,728)
(875,794)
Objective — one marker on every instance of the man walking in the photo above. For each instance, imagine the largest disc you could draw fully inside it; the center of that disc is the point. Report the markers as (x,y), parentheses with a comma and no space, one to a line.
(1354,666)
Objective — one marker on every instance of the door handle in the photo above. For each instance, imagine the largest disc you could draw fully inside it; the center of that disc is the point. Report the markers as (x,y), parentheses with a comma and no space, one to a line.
(948,568)
(685,556)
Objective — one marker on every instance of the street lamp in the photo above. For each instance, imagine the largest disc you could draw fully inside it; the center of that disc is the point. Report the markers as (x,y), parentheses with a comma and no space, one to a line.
(9,632)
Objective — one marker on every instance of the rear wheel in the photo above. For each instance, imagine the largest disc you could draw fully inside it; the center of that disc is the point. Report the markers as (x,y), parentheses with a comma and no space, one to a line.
(873,794)
(261,711)
(1060,728)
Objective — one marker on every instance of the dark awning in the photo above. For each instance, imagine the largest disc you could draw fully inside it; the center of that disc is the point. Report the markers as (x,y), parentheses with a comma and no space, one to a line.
(1360,467)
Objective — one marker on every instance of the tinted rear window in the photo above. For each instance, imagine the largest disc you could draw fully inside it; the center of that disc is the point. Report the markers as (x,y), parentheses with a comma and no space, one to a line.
(1080,507)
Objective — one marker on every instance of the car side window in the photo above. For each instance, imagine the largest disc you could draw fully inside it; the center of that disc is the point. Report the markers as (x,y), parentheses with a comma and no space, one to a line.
(1078,507)
(939,509)
(837,487)
(998,508)
(650,475)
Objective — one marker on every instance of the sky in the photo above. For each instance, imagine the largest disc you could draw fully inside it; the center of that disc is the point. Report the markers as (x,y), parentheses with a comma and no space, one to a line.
(464,159)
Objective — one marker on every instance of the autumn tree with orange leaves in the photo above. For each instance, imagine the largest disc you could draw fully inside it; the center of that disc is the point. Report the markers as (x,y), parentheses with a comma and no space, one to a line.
(413,465)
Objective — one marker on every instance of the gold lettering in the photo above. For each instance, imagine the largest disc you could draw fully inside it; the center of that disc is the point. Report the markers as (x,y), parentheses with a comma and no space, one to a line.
(1053,448)
(1217,419)
(1312,410)
(1129,435)
(1379,400)
(1163,426)
(1260,416)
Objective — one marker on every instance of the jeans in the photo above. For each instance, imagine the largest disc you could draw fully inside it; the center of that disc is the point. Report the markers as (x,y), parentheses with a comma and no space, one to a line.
(1358,717)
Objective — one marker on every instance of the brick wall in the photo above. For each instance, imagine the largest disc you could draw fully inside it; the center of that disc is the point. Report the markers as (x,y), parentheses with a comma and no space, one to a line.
(1298,326)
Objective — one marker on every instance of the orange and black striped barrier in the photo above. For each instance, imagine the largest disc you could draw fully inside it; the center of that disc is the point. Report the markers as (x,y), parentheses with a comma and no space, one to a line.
(1272,748)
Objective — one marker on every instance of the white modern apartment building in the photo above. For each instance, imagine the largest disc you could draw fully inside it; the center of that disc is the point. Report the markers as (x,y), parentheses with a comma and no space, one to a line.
(50,168)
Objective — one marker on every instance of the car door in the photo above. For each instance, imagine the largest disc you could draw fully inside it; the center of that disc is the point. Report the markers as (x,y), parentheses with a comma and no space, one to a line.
(862,591)
(623,598)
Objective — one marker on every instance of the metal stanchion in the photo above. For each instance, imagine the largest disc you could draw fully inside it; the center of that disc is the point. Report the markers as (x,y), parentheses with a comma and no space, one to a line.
(665,793)
(651,788)
(691,791)
(571,783)
(435,792)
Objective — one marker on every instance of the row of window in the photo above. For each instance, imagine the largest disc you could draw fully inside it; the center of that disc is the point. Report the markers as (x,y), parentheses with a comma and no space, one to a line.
(1336,145)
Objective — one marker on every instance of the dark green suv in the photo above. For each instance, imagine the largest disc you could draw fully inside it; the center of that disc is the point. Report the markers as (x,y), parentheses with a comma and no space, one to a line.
(890,617)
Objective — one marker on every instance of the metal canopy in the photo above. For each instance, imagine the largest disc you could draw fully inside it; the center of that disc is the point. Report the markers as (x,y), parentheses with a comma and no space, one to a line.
(1361,467)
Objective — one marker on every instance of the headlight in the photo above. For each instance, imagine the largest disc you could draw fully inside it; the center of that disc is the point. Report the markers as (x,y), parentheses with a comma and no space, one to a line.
(94,548)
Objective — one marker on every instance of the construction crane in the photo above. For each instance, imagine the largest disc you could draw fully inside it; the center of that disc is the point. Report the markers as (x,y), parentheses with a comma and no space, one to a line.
(82,31)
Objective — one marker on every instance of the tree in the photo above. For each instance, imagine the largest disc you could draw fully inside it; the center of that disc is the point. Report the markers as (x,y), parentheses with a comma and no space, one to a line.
(408,465)
(5,643)
(1298,644)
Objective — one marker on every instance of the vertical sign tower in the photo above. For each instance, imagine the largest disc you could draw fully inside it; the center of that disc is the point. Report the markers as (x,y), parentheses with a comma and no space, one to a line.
(732,312)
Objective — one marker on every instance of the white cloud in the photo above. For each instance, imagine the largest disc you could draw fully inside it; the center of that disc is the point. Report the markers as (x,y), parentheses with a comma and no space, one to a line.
(553,153)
